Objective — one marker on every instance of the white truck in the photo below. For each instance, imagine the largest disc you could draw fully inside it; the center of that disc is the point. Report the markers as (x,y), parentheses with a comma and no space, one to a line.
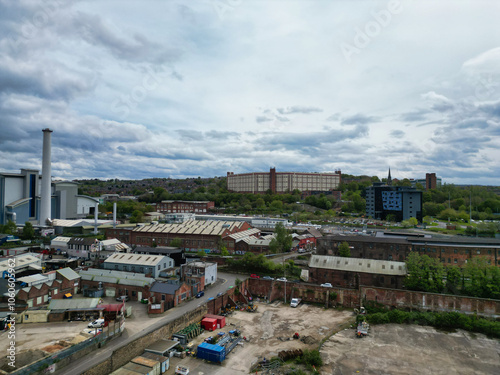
(295,302)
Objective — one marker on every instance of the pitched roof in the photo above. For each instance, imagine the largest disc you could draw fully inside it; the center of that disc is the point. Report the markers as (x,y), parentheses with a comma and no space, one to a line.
(164,288)
(136,259)
(116,277)
(68,273)
(382,267)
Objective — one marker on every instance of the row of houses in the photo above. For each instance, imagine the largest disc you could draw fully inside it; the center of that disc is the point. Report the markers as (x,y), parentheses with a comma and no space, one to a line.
(155,279)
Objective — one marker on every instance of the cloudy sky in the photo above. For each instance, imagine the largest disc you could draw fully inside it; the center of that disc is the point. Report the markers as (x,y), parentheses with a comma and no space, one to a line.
(138,89)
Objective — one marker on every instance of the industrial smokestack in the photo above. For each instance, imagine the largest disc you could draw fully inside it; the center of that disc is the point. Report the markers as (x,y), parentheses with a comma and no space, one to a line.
(114,215)
(96,213)
(45,203)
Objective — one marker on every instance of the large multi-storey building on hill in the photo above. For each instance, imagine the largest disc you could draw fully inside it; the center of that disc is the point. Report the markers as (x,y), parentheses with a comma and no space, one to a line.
(282,182)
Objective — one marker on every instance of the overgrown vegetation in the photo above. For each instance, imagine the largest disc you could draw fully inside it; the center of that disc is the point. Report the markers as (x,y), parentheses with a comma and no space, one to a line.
(449,320)
(477,278)
(252,263)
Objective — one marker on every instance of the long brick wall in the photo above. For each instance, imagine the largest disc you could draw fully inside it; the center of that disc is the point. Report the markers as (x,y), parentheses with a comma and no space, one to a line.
(392,298)
(431,301)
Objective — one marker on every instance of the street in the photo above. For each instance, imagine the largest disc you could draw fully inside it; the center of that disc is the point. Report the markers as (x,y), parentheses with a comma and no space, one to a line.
(87,362)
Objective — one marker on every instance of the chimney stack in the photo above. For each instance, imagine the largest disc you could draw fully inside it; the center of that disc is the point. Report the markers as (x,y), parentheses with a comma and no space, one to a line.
(114,215)
(46,202)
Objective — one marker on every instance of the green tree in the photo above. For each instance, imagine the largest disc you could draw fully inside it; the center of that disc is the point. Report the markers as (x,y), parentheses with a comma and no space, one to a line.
(201,253)
(176,242)
(28,231)
(282,240)
(344,250)
(136,216)
(424,273)
(9,228)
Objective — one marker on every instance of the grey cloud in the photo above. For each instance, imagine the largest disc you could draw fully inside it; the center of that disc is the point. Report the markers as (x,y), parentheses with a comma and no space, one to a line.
(397,134)
(417,115)
(334,117)
(298,109)
(138,48)
(359,119)
(282,118)
(190,134)
(313,139)
(262,119)
(215,134)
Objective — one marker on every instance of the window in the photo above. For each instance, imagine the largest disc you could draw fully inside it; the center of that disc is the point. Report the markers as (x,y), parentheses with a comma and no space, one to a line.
(479,251)
(455,251)
(159,267)
(455,260)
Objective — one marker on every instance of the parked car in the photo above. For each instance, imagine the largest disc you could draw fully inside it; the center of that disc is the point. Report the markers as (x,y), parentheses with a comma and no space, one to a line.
(200,294)
(123,298)
(327,285)
(254,276)
(268,278)
(281,279)
(98,323)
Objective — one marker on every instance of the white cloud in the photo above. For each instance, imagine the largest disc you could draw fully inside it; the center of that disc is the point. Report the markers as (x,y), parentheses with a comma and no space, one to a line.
(178,89)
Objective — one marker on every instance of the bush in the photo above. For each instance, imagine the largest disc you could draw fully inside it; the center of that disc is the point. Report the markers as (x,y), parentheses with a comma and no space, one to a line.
(440,320)
(311,358)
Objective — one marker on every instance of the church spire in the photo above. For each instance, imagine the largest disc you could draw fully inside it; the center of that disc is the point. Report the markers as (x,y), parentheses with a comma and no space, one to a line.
(389,179)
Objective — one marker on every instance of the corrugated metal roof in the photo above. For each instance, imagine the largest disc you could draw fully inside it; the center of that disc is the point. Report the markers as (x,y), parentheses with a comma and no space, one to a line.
(382,267)
(243,234)
(34,279)
(205,227)
(136,259)
(68,273)
(74,303)
(116,277)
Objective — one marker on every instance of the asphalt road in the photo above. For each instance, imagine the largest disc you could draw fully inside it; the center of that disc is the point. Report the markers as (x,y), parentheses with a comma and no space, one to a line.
(90,360)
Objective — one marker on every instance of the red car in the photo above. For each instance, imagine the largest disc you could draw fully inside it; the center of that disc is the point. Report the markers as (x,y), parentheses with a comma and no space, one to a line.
(254,276)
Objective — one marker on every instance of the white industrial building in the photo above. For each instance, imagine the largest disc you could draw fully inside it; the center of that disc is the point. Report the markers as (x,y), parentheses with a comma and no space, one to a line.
(31,196)
(146,264)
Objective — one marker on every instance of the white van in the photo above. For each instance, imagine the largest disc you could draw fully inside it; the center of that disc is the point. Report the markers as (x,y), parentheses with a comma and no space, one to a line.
(96,323)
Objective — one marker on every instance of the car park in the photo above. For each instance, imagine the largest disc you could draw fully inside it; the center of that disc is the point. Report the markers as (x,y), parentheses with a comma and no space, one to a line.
(200,294)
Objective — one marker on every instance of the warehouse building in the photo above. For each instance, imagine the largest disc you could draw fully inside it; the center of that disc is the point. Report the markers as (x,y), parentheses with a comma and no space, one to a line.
(195,235)
(145,264)
(282,182)
(352,272)
(396,246)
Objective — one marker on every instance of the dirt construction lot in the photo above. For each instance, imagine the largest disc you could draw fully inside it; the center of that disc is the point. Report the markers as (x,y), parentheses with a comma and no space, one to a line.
(389,349)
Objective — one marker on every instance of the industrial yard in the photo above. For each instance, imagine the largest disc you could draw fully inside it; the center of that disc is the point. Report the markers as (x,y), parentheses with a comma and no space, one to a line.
(394,349)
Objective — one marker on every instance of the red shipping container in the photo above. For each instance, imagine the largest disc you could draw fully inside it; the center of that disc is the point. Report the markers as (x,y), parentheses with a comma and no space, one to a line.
(221,320)
(209,324)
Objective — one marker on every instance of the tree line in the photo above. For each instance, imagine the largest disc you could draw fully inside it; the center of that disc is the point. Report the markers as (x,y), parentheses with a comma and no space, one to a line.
(477,278)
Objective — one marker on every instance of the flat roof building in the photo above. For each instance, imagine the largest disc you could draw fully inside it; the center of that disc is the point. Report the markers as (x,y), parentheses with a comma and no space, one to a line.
(282,182)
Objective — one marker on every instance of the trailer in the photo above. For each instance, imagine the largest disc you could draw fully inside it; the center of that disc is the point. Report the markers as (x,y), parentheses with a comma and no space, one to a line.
(212,353)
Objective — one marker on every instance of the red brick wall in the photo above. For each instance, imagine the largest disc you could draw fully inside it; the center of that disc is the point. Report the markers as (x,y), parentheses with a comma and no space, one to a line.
(120,289)
(430,301)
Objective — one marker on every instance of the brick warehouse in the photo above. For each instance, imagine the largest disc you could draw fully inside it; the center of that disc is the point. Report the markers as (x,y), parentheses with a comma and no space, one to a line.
(450,251)
(282,182)
(353,272)
(194,234)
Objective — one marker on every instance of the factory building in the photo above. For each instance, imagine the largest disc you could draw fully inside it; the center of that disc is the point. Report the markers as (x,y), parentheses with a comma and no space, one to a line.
(29,196)
(282,182)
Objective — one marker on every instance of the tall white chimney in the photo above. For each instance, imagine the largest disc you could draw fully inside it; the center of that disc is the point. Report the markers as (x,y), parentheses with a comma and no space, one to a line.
(114,215)
(45,203)
(96,213)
